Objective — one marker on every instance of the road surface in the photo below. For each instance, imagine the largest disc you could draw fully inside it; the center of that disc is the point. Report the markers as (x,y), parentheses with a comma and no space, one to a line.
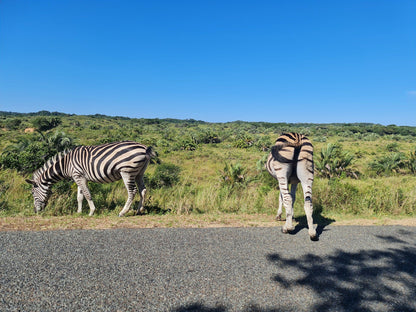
(350,268)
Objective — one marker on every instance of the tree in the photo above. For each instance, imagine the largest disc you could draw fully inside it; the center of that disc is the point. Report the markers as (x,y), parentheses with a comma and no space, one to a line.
(44,124)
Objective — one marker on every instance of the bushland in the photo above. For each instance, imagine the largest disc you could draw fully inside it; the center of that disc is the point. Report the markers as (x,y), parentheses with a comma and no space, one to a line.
(360,169)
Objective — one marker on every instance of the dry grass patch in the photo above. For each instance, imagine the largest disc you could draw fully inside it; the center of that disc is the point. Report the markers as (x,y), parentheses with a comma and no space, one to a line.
(41,223)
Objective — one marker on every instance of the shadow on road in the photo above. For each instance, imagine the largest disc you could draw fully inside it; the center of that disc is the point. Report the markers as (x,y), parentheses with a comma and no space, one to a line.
(367,280)
(318,219)
(197,307)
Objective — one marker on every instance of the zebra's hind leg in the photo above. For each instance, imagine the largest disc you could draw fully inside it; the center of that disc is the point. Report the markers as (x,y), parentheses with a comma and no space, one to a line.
(288,203)
(142,193)
(130,183)
(309,210)
(306,179)
(293,194)
(293,189)
(279,211)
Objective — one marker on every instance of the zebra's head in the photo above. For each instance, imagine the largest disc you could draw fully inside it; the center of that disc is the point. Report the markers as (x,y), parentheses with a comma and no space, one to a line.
(40,194)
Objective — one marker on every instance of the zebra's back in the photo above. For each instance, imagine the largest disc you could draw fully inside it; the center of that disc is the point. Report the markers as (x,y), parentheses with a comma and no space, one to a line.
(104,163)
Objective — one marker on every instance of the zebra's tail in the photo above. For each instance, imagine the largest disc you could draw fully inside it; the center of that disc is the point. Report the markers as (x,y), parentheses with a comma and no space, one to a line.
(150,153)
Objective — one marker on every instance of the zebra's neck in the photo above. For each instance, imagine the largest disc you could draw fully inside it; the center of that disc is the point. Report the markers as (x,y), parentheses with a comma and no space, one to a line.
(55,170)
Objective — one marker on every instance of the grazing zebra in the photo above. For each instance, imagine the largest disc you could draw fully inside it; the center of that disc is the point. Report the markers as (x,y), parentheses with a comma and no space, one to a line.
(290,162)
(101,163)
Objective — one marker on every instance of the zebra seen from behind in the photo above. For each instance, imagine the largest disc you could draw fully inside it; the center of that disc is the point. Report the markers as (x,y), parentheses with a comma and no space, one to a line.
(290,162)
(104,163)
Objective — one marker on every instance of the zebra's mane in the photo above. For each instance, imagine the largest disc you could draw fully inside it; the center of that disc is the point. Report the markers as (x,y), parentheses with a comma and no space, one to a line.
(38,173)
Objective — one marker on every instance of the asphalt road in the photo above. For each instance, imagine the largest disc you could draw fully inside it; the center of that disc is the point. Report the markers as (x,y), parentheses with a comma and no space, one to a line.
(350,268)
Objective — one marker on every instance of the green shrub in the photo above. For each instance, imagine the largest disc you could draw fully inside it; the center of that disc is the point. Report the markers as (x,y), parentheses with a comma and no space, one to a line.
(25,158)
(207,136)
(233,175)
(268,182)
(244,142)
(411,162)
(263,143)
(332,162)
(4,187)
(165,175)
(186,144)
(391,163)
(13,124)
(31,153)
(46,123)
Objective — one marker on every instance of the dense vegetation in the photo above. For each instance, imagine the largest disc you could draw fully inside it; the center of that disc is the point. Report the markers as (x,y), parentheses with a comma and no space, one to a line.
(361,169)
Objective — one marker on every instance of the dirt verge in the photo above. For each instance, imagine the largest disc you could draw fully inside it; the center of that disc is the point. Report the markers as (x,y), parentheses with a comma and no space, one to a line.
(42,223)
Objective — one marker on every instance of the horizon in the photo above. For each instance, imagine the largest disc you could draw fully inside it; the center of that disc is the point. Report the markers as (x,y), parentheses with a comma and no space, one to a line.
(316,62)
(58,114)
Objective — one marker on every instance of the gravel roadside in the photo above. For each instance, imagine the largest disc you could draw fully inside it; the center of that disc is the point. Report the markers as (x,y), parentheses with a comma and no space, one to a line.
(350,268)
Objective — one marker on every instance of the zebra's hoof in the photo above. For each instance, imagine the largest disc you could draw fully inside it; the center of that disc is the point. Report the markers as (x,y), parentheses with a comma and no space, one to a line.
(288,230)
(278,218)
(314,238)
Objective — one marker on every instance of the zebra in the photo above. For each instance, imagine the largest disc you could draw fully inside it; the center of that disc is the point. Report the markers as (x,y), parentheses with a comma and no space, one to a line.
(290,162)
(103,163)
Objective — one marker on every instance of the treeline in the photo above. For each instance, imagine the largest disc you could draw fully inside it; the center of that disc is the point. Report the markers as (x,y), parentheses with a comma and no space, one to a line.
(17,121)
(39,113)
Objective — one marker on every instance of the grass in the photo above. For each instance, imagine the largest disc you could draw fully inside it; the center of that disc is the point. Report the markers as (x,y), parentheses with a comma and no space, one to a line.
(200,192)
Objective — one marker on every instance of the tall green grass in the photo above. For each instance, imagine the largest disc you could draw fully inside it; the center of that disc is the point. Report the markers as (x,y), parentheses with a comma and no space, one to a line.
(394,195)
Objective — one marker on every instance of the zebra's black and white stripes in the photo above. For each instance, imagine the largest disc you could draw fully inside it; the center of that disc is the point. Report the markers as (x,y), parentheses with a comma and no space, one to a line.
(104,163)
(290,162)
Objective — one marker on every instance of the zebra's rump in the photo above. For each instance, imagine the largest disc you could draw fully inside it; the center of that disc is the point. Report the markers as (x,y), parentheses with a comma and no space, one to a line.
(292,147)
(289,150)
(290,139)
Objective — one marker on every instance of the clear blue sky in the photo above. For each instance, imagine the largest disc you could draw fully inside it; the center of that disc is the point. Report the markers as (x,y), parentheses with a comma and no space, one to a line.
(277,61)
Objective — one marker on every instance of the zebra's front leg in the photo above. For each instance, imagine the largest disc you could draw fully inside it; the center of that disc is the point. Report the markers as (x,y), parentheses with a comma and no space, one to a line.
(129,182)
(83,191)
(80,198)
